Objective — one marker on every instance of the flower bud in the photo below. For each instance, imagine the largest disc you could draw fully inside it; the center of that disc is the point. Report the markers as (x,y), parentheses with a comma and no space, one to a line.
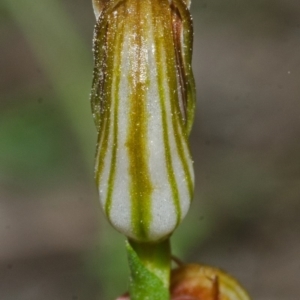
(205,283)
(143,103)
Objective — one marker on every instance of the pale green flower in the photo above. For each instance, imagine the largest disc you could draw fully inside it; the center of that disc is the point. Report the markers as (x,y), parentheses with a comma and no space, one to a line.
(143,102)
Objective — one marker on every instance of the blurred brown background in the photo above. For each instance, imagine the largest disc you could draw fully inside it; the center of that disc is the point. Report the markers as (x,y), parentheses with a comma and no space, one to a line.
(54,241)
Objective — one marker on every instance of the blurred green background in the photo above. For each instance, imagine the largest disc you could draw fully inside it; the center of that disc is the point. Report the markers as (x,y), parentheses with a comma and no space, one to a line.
(54,241)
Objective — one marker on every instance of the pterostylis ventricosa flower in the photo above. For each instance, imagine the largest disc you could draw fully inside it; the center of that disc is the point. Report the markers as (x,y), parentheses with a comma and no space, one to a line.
(143,101)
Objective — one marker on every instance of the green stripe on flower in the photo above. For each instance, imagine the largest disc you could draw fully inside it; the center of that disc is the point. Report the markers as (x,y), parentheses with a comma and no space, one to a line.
(143,102)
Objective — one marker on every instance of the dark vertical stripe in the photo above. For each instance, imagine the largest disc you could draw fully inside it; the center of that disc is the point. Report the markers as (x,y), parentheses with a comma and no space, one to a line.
(141,186)
(177,120)
(179,133)
(161,11)
(103,62)
(115,48)
(186,53)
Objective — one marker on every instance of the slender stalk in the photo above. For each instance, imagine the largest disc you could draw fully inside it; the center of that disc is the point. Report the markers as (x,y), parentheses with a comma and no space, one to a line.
(150,266)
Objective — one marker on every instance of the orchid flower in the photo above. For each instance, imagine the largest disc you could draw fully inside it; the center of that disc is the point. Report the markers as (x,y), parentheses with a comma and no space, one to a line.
(143,102)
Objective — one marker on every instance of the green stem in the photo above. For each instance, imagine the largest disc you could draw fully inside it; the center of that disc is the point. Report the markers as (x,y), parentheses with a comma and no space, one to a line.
(149,270)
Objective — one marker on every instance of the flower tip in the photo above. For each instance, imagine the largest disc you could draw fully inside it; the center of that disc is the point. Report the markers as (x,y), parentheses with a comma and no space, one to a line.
(98,6)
